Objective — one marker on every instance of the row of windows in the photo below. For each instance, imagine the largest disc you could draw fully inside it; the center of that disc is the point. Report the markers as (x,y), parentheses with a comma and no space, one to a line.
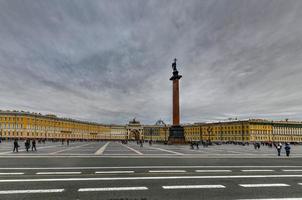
(51,122)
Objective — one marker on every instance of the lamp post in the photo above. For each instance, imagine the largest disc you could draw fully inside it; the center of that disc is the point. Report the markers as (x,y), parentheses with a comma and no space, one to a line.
(200,133)
(165,133)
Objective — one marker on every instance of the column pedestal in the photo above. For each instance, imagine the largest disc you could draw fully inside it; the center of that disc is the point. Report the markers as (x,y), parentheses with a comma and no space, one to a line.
(176,135)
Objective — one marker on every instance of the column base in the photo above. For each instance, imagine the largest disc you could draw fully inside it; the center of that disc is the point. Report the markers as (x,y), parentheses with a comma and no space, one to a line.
(176,135)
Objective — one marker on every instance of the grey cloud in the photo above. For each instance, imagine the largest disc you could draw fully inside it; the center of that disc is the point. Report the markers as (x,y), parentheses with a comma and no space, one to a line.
(108,61)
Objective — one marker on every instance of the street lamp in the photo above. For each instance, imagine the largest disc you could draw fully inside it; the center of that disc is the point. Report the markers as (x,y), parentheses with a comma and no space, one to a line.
(165,133)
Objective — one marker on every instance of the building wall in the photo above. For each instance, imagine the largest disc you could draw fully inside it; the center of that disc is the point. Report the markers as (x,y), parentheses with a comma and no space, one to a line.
(29,125)
(216,132)
(24,125)
(118,132)
(156,133)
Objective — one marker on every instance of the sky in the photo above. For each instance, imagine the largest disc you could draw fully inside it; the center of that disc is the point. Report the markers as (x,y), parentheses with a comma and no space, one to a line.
(110,61)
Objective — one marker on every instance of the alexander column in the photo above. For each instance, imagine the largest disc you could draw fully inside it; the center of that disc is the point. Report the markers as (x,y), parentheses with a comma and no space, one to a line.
(176,131)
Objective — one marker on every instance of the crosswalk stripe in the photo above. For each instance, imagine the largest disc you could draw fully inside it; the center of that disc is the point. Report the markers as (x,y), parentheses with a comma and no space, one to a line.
(101,150)
(111,189)
(68,149)
(166,150)
(169,187)
(30,191)
(134,150)
(265,185)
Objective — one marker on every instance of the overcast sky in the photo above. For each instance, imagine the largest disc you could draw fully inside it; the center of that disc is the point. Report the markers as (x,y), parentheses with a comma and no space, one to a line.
(110,61)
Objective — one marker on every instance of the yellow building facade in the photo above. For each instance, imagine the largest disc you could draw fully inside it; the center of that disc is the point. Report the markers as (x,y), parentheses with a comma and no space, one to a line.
(33,125)
(23,125)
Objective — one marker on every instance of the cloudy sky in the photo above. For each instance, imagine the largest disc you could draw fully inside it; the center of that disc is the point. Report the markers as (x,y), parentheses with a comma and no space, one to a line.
(109,61)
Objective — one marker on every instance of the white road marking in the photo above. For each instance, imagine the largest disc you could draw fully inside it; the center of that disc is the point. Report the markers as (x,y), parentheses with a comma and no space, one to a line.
(166,150)
(192,187)
(68,148)
(213,170)
(30,191)
(264,185)
(275,199)
(24,150)
(136,151)
(114,172)
(257,170)
(143,167)
(13,173)
(102,149)
(292,170)
(167,171)
(54,173)
(149,178)
(111,189)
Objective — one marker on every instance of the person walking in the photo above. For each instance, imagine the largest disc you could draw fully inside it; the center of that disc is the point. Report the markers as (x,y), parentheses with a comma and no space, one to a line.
(16,146)
(33,145)
(27,145)
(279,147)
(191,144)
(287,149)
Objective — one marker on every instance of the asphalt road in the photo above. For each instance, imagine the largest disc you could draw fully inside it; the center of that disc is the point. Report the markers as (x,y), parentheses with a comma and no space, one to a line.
(115,171)
(149,178)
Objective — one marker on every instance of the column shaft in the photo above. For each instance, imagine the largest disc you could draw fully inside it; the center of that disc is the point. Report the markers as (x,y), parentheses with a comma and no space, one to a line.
(176,102)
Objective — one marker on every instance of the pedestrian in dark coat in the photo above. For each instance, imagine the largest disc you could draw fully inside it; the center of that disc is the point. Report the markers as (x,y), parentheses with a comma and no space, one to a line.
(27,145)
(279,147)
(287,149)
(33,145)
(16,146)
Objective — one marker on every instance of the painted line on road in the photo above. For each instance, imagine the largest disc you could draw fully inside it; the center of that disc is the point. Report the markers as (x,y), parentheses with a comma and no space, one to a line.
(264,185)
(213,171)
(134,150)
(167,171)
(24,150)
(114,172)
(67,149)
(292,170)
(102,149)
(274,199)
(148,178)
(143,167)
(257,170)
(30,191)
(166,150)
(111,189)
(13,173)
(59,173)
(169,187)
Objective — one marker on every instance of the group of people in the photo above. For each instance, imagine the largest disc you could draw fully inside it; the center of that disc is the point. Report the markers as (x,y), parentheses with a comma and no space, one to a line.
(192,144)
(27,145)
(286,148)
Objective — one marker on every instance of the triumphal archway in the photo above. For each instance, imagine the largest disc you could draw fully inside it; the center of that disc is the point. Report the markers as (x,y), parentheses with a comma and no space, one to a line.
(134,130)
